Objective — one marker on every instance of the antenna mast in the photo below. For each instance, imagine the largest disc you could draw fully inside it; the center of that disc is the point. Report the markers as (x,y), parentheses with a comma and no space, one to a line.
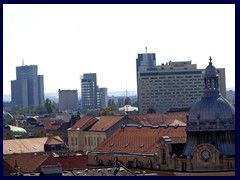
(22,62)
(146,49)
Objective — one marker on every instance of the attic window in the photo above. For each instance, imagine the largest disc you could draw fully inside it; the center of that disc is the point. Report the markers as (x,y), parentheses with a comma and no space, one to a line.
(141,145)
(111,144)
(126,145)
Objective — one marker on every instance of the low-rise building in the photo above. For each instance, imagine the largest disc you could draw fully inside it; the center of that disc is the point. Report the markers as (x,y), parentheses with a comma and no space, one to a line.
(89,132)
(140,146)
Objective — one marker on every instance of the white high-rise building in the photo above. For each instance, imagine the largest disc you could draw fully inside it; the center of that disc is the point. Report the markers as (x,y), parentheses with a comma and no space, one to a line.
(170,86)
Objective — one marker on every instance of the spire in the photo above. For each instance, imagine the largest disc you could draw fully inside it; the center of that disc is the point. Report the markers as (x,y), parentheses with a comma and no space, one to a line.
(210,59)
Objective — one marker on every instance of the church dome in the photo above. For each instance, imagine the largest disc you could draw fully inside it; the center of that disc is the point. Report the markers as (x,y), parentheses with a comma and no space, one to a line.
(212,111)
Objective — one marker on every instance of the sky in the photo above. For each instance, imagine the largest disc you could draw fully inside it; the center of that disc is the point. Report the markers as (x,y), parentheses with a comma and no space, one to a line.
(67,40)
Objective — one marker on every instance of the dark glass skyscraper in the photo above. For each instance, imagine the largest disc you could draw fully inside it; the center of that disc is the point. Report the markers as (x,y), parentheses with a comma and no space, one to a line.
(89,92)
(28,88)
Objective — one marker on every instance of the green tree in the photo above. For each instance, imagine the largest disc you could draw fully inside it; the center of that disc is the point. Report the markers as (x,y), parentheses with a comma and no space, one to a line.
(111,102)
(120,102)
(128,101)
(48,106)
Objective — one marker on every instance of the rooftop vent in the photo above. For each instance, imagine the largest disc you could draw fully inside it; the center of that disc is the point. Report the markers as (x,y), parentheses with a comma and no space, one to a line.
(99,170)
(126,145)
(111,144)
(141,145)
(85,170)
(109,169)
(140,126)
(123,126)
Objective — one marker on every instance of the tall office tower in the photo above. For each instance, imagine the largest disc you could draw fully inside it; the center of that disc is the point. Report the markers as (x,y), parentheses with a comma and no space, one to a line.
(89,92)
(28,88)
(68,100)
(103,97)
(170,86)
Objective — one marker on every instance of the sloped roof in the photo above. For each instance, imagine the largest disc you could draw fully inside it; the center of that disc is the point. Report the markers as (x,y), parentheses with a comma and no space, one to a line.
(8,169)
(67,162)
(51,123)
(54,140)
(27,145)
(159,118)
(27,162)
(33,162)
(81,123)
(105,122)
(139,139)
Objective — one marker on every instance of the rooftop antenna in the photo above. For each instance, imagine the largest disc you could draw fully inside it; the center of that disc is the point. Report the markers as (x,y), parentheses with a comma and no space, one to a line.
(22,62)
(146,49)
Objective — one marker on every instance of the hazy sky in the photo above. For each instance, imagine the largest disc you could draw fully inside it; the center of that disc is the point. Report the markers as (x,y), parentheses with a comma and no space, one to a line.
(66,41)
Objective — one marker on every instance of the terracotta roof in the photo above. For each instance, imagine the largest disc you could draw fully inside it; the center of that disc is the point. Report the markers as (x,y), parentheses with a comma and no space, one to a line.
(105,122)
(33,162)
(81,123)
(54,140)
(28,145)
(67,162)
(8,169)
(27,162)
(51,123)
(159,118)
(139,139)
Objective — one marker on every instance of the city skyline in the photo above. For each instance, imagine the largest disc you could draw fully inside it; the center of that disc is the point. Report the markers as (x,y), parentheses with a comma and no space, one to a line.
(66,41)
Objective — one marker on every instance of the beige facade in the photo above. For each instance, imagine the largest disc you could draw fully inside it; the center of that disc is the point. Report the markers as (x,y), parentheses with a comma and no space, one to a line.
(84,140)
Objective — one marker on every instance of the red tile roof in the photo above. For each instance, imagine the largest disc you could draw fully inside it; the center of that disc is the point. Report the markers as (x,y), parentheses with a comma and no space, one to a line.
(54,140)
(67,162)
(105,122)
(8,169)
(51,123)
(33,163)
(27,162)
(81,123)
(159,118)
(130,138)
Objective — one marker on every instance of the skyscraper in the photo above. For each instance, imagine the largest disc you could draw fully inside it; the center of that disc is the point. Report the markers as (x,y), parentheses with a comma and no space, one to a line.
(28,88)
(89,92)
(170,86)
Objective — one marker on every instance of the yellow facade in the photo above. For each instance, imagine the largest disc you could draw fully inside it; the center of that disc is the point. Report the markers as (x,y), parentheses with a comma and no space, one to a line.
(84,140)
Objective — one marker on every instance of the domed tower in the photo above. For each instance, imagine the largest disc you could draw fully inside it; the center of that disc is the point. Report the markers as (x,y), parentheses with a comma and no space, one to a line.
(210,124)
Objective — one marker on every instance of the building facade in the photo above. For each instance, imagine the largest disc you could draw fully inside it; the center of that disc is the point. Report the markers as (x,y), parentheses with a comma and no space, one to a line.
(88,132)
(89,92)
(28,88)
(174,85)
(103,92)
(68,100)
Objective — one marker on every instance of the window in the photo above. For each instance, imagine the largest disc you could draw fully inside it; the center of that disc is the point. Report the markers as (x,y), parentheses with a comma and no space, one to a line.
(53,148)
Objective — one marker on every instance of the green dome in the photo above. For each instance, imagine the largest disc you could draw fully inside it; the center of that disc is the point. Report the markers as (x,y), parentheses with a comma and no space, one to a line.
(15,130)
(7,117)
